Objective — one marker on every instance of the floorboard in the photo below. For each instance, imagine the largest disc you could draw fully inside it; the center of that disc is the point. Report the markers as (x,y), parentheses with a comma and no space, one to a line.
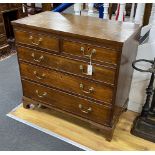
(80,132)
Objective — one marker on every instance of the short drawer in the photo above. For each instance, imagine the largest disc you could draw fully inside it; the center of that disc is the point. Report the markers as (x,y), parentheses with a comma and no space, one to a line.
(86,51)
(69,103)
(39,40)
(71,84)
(100,73)
(2,29)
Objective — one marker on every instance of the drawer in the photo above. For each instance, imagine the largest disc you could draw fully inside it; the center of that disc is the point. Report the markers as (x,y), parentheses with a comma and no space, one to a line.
(75,105)
(86,51)
(101,74)
(3,40)
(39,40)
(68,83)
(2,29)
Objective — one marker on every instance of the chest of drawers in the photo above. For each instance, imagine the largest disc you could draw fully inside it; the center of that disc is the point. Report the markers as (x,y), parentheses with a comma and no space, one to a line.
(80,66)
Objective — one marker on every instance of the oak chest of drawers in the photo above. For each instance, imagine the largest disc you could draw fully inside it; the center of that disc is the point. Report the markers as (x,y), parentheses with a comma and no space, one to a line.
(77,65)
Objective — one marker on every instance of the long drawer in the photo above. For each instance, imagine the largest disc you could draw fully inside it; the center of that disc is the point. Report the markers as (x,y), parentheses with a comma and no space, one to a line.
(75,105)
(100,73)
(68,83)
(86,51)
(39,40)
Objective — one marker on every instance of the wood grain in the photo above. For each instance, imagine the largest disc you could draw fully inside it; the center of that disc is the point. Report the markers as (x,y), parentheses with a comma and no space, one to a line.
(38,40)
(147,13)
(75,130)
(89,27)
(102,74)
(60,51)
(66,102)
(101,54)
(67,83)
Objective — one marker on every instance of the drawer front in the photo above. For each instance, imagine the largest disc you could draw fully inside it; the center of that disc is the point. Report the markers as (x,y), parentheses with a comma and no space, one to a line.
(84,108)
(38,40)
(87,51)
(2,29)
(100,74)
(3,40)
(66,82)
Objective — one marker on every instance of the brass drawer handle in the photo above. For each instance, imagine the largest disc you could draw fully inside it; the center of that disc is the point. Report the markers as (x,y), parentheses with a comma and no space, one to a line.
(39,59)
(41,96)
(85,111)
(32,41)
(88,55)
(90,90)
(40,77)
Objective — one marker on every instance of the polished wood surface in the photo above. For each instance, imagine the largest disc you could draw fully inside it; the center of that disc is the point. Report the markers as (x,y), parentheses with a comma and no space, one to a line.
(97,53)
(81,133)
(125,74)
(72,104)
(59,54)
(110,31)
(102,74)
(71,84)
(38,40)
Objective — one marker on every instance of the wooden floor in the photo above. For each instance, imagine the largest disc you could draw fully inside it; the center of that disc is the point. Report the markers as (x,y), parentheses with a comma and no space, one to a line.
(65,126)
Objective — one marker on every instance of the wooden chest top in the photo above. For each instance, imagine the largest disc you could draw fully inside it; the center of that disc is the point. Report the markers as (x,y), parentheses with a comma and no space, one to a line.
(82,26)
